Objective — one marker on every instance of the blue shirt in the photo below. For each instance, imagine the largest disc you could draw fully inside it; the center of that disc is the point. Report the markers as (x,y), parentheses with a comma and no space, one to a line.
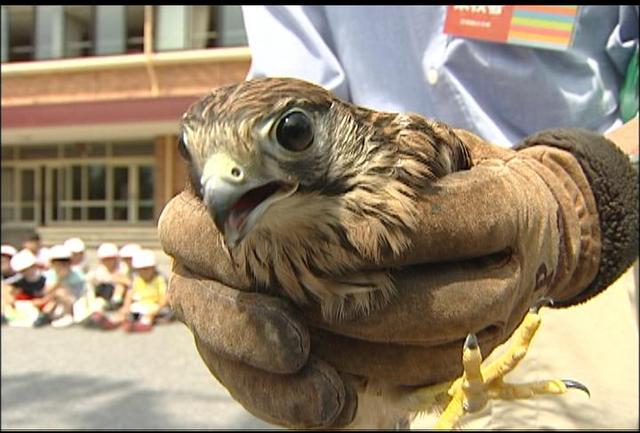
(399,59)
(74,281)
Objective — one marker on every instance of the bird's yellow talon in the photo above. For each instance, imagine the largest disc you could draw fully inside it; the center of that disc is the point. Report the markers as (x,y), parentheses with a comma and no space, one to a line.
(473,388)
(478,384)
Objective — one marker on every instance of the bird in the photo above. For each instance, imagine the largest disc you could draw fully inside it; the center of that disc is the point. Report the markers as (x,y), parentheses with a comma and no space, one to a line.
(307,189)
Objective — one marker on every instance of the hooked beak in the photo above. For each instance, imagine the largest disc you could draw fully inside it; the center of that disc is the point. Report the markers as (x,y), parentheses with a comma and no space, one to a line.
(235,199)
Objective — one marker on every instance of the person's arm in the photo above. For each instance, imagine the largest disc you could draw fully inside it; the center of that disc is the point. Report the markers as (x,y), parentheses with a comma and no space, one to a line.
(8,294)
(293,41)
(52,283)
(126,305)
(9,285)
(626,137)
(40,298)
(90,291)
(120,277)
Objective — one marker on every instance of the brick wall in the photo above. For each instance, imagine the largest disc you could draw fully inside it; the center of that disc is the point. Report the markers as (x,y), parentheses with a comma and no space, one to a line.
(130,82)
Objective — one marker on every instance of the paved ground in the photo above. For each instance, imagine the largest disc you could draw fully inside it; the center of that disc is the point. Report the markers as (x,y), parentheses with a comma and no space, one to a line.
(77,378)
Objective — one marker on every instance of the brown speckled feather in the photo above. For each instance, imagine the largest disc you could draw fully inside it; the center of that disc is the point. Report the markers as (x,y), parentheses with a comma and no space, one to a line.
(358,185)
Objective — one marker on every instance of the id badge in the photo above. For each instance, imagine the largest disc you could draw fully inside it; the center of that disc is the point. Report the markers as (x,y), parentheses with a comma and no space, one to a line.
(548,27)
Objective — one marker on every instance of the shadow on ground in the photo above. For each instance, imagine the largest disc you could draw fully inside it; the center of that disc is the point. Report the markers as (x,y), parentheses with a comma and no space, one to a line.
(92,402)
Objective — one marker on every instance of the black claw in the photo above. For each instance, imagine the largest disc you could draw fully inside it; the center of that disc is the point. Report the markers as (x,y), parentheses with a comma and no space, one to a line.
(542,302)
(471,342)
(577,385)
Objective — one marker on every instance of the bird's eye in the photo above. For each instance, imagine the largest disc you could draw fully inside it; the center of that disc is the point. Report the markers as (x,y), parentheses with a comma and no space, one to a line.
(295,131)
(182,146)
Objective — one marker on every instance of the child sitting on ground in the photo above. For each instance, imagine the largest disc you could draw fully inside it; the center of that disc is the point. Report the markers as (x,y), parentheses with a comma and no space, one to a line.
(147,297)
(63,287)
(109,279)
(26,285)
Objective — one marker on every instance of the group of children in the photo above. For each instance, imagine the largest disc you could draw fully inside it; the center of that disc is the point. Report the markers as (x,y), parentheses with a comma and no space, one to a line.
(56,286)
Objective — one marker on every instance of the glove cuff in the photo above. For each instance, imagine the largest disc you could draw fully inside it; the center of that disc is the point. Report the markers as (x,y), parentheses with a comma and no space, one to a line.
(614,184)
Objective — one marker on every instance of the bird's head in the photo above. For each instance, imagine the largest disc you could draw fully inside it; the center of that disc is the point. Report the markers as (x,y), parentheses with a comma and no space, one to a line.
(253,146)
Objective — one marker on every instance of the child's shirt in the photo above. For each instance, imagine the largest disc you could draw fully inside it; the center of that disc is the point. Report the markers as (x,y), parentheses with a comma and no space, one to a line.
(74,281)
(102,275)
(152,292)
(28,288)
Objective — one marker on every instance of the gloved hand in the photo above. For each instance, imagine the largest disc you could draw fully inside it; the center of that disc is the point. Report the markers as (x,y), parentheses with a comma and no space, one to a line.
(557,218)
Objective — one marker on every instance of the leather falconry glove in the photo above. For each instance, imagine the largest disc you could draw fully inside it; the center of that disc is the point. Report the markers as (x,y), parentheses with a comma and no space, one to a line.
(557,217)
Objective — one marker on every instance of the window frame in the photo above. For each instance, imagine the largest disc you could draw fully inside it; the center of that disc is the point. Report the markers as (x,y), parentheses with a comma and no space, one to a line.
(215,34)
(43,205)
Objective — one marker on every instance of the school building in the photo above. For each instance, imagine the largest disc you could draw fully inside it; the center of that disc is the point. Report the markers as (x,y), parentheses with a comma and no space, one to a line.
(91,102)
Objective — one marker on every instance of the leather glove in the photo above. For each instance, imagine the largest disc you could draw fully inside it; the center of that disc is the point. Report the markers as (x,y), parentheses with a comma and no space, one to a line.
(557,218)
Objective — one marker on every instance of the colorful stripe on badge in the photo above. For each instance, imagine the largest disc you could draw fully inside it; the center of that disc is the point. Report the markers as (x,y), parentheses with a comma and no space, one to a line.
(548,27)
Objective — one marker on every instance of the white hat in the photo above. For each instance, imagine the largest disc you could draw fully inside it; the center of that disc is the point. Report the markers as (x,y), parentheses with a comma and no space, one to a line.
(23,260)
(75,245)
(8,250)
(129,250)
(143,259)
(59,252)
(107,250)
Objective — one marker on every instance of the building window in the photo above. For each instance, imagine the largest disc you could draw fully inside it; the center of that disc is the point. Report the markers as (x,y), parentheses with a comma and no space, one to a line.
(118,193)
(78,27)
(9,197)
(119,29)
(27,194)
(120,187)
(196,27)
(145,191)
(170,26)
(102,192)
(18,23)
(54,32)
(90,182)
(49,32)
(63,31)
(135,28)
(229,26)
(20,195)
(110,29)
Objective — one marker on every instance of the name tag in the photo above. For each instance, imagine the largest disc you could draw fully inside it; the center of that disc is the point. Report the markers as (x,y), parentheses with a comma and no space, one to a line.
(549,27)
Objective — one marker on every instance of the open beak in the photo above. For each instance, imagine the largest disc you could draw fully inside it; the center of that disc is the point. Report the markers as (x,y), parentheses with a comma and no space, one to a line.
(236,200)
